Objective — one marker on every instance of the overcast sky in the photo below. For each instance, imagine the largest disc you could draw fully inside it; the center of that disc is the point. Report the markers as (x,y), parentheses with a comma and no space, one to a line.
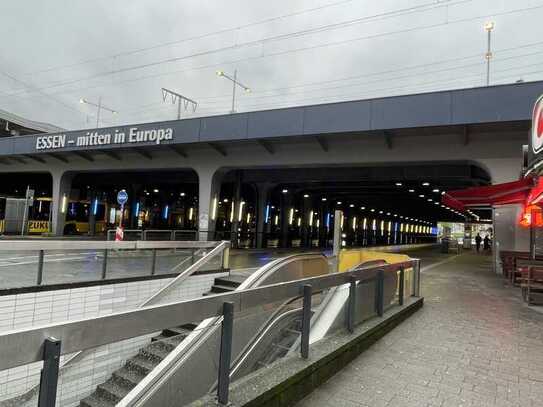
(289,52)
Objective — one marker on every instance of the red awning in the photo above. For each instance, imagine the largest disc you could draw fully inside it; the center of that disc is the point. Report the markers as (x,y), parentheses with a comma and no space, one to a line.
(500,194)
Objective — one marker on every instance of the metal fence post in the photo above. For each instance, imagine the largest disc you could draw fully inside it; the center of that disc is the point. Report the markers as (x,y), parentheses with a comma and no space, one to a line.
(153,263)
(49,373)
(225,352)
(417,285)
(192,251)
(379,292)
(104,265)
(40,267)
(401,287)
(351,311)
(226,258)
(306,321)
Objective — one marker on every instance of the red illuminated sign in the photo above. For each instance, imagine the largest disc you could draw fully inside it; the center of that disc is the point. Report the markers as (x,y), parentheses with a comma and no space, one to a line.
(537,126)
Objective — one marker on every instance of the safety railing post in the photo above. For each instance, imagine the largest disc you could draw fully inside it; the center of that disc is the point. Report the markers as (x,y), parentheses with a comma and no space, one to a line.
(153,263)
(40,267)
(49,373)
(223,383)
(192,252)
(379,292)
(104,265)
(306,321)
(417,285)
(351,310)
(401,286)
(226,258)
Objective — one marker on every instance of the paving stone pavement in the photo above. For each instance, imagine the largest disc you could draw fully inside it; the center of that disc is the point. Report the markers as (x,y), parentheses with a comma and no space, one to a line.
(474,343)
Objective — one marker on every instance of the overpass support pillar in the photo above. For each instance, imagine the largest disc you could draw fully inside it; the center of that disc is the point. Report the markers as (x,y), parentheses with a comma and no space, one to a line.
(92,217)
(237,199)
(263,191)
(62,185)
(286,207)
(208,201)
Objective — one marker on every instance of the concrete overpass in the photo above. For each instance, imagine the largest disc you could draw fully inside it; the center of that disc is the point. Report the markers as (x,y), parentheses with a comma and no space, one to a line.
(482,127)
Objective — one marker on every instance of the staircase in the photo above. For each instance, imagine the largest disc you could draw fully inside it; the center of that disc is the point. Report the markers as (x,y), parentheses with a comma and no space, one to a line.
(136,368)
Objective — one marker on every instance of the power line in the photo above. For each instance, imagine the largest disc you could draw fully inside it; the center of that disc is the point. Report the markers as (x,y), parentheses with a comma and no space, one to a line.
(349,78)
(196,37)
(287,36)
(295,50)
(377,92)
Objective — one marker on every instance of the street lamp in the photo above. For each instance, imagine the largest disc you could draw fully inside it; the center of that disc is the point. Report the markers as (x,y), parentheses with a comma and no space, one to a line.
(234,83)
(489,26)
(98,105)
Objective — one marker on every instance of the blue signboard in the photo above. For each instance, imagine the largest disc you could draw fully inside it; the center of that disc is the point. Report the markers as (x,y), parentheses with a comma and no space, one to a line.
(122,197)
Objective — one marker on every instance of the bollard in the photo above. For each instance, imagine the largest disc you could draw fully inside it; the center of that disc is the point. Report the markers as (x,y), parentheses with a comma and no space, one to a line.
(351,310)
(49,373)
(153,263)
(225,356)
(104,265)
(401,286)
(379,292)
(306,321)
(40,267)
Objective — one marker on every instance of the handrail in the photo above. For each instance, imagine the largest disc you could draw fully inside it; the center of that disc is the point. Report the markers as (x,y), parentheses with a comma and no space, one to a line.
(186,274)
(26,345)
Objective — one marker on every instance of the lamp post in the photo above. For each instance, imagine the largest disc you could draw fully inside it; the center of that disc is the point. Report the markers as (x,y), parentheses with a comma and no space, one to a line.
(489,26)
(100,107)
(235,83)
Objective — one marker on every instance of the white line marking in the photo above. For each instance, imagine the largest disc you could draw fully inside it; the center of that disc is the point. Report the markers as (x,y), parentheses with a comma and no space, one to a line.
(21,263)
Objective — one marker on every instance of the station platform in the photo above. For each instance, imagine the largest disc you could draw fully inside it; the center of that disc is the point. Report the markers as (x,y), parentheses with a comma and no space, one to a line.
(474,343)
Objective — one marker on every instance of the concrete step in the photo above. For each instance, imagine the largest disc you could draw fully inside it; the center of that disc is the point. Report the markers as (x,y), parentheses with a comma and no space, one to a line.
(94,401)
(233,281)
(141,364)
(222,289)
(127,377)
(112,391)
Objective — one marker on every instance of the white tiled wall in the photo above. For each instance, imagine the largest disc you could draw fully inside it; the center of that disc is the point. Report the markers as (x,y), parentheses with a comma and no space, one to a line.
(27,310)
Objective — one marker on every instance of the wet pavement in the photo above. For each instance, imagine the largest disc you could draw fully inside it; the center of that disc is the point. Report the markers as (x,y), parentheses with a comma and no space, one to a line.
(20,269)
(474,343)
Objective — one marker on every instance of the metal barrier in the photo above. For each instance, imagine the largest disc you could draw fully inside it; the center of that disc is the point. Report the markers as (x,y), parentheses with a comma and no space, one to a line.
(156,234)
(47,343)
(42,246)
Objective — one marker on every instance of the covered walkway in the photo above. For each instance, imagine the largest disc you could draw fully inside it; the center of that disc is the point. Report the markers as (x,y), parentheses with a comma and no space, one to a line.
(474,343)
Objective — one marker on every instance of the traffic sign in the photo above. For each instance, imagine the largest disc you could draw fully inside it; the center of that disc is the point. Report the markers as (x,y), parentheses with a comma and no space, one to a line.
(122,197)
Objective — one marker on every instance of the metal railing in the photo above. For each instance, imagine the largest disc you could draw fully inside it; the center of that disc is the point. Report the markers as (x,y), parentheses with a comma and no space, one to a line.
(105,248)
(48,343)
(155,234)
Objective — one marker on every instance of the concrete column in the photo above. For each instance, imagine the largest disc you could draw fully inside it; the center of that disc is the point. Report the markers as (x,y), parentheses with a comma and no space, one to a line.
(286,204)
(236,202)
(92,216)
(209,190)
(62,185)
(263,191)
(306,207)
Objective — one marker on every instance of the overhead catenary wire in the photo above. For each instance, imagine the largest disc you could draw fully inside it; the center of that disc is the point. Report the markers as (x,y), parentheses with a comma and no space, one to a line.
(281,53)
(254,96)
(377,92)
(193,38)
(276,38)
